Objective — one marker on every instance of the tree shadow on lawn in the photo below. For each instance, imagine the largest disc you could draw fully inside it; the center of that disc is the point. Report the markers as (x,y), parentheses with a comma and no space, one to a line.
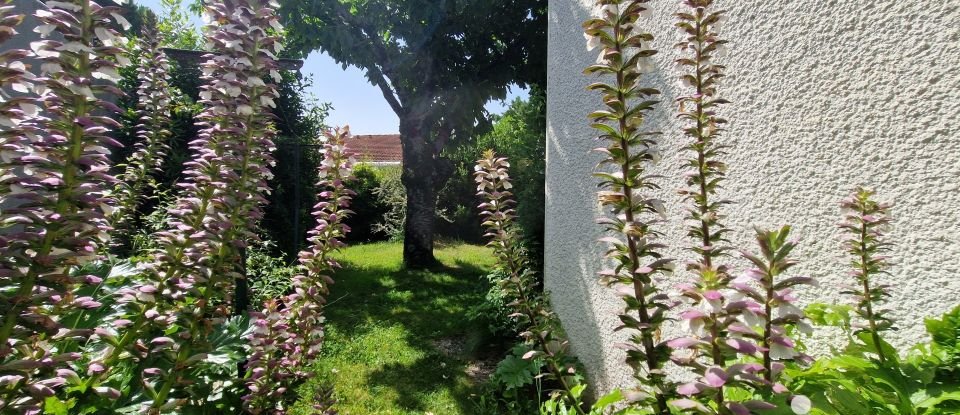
(430,307)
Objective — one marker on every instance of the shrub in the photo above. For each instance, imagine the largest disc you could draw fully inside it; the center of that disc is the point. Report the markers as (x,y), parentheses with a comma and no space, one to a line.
(520,136)
(369,208)
(540,328)
(393,195)
(632,215)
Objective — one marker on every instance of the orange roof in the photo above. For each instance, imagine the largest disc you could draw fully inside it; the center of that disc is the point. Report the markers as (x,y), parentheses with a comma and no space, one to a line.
(382,148)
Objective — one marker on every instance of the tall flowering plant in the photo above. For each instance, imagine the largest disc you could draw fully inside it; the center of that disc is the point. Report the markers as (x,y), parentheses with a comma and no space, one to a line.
(285,340)
(865,222)
(541,328)
(625,54)
(770,316)
(154,107)
(176,312)
(225,187)
(55,189)
(711,343)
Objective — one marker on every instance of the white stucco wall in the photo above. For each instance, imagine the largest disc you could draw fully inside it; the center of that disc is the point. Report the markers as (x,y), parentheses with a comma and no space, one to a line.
(827,94)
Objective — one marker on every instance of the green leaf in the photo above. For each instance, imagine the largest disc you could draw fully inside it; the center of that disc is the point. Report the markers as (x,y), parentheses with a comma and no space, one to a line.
(55,406)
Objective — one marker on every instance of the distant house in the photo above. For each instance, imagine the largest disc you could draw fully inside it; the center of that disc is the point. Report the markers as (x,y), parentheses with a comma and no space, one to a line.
(378,150)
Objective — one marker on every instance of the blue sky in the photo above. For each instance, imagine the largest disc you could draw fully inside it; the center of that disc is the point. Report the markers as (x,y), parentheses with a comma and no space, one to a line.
(355,101)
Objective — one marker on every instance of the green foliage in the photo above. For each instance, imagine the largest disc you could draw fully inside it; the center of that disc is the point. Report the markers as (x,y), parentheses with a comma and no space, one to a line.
(459,54)
(175,28)
(855,381)
(270,276)
(514,372)
(494,312)
(299,122)
(946,342)
(367,206)
(391,194)
(515,388)
(520,136)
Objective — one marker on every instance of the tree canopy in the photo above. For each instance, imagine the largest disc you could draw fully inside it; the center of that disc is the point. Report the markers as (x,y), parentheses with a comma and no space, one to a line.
(449,53)
(437,63)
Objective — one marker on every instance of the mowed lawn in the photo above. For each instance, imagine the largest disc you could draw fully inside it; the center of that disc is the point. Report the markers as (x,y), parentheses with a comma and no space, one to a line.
(398,341)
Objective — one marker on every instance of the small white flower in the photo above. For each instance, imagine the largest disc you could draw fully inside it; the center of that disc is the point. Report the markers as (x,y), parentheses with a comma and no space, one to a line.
(646,64)
(39,48)
(107,73)
(694,326)
(720,51)
(609,8)
(105,36)
(646,13)
(74,47)
(781,352)
(82,90)
(801,405)
(50,67)
(24,88)
(245,110)
(593,42)
(30,110)
(267,101)
(232,91)
(45,30)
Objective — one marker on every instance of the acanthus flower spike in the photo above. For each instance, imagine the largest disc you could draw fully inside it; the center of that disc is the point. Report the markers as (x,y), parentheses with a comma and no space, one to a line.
(285,340)
(540,328)
(865,222)
(769,322)
(154,109)
(195,267)
(714,304)
(55,186)
(633,218)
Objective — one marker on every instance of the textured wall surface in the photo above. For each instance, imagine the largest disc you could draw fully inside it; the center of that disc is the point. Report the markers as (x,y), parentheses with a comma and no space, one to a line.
(827,94)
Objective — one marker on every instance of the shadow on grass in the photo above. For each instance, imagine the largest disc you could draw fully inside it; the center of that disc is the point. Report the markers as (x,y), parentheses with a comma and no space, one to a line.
(426,310)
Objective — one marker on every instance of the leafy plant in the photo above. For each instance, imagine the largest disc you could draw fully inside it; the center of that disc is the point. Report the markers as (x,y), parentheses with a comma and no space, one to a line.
(514,371)
(289,331)
(864,224)
(154,104)
(55,190)
(855,381)
(270,276)
(540,327)
(625,54)
(945,333)
(392,194)
(495,311)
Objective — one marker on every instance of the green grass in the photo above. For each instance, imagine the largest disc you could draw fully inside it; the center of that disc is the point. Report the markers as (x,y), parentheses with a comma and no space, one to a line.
(383,327)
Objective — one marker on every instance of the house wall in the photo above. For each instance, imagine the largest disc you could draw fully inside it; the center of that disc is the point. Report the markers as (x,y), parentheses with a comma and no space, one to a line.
(827,94)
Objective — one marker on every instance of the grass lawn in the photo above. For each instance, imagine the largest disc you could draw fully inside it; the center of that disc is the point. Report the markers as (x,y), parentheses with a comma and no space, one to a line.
(399,342)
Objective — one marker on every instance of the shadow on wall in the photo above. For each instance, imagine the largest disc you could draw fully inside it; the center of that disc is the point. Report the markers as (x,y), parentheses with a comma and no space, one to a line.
(588,310)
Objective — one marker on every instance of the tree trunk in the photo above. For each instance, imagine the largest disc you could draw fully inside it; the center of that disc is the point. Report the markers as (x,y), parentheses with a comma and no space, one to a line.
(424,174)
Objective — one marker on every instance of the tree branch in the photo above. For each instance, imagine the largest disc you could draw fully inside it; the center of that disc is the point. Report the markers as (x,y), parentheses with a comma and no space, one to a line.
(376,72)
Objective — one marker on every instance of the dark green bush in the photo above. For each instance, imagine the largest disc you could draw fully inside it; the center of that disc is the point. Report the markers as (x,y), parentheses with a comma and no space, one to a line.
(367,206)
(520,136)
